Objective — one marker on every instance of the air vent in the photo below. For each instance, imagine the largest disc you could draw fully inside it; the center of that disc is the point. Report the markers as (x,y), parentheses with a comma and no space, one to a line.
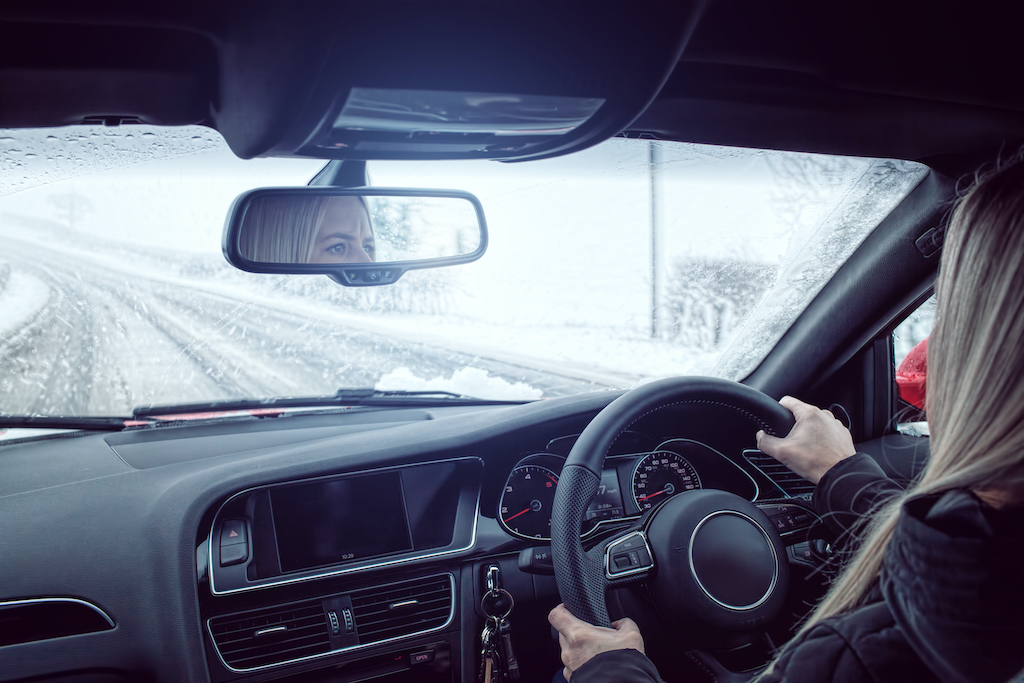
(792,484)
(402,609)
(270,636)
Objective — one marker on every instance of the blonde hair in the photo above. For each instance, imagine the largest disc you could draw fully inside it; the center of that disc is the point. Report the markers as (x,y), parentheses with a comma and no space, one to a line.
(975,398)
(262,238)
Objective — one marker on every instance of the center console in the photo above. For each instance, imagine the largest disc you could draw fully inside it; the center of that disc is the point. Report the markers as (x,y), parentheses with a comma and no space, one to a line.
(363,564)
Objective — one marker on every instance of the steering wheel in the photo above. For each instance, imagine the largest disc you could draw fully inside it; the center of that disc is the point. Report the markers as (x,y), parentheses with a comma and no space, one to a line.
(704,554)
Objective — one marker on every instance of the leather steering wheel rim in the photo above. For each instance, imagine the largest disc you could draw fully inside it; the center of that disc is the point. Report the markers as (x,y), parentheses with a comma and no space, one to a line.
(580,577)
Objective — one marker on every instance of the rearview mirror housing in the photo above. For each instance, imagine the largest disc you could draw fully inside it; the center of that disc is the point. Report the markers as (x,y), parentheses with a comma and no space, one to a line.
(359,237)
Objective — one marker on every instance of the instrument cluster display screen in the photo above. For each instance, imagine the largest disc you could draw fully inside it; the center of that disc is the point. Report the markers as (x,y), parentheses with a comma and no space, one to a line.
(607,502)
(340,520)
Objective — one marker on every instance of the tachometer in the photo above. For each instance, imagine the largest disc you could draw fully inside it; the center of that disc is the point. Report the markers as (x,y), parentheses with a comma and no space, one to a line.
(659,475)
(525,506)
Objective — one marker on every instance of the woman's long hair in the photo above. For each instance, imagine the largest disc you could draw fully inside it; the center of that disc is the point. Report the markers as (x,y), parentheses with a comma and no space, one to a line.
(975,394)
(281,229)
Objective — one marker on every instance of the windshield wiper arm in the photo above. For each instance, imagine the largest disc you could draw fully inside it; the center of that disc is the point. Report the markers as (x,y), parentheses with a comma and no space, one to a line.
(112,424)
(348,396)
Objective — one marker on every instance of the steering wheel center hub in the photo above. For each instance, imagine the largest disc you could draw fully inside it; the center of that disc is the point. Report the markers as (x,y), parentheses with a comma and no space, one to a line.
(732,560)
(719,559)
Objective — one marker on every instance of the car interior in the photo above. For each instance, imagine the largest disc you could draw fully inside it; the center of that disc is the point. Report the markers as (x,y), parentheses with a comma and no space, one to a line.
(376,543)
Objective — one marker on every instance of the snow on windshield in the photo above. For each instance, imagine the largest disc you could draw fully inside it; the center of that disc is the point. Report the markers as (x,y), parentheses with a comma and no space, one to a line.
(626,262)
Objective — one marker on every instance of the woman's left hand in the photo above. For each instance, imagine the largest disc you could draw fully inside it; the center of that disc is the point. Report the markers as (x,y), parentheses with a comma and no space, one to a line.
(580,641)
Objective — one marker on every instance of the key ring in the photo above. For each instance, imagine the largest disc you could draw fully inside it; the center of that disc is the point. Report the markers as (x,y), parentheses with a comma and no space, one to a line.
(497,593)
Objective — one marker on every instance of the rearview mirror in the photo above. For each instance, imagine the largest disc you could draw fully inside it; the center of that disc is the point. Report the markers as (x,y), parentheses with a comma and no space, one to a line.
(359,237)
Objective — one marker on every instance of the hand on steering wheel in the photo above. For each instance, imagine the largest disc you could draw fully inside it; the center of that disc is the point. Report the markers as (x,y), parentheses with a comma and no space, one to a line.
(580,641)
(817,441)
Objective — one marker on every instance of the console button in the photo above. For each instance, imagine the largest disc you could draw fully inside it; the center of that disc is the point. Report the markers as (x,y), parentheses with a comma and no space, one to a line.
(233,554)
(233,532)
(421,657)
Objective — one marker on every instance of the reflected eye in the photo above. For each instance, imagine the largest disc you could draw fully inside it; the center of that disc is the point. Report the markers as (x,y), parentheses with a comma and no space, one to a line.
(337,249)
(370,248)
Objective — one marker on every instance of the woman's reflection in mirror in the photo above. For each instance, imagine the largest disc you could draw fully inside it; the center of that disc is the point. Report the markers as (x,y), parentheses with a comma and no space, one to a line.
(308,230)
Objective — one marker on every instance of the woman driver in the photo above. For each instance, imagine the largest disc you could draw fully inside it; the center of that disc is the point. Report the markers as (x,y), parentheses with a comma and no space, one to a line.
(290,229)
(935,590)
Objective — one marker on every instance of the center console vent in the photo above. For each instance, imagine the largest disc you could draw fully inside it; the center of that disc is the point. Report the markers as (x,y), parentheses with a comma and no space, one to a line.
(401,609)
(270,636)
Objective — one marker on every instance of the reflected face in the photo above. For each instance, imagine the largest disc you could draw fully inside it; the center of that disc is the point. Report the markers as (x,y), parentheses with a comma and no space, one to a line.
(344,235)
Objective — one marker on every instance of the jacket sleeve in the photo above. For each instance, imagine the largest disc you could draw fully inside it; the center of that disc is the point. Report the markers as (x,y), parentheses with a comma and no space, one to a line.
(618,666)
(849,491)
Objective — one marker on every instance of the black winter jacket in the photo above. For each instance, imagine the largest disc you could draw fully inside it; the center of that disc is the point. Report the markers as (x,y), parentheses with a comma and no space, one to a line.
(948,606)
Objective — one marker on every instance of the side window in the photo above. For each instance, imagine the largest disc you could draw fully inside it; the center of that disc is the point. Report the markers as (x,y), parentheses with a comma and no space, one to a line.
(910,351)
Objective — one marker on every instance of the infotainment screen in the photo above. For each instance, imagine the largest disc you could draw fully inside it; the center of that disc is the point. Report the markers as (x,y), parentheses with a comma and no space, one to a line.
(339,520)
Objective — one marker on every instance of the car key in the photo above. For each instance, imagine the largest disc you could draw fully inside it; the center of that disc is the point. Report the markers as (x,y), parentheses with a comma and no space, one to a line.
(496,605)
(511,664)
(486,650)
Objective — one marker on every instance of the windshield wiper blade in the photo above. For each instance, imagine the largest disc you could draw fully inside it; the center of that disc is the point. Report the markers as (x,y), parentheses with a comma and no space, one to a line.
(112,424)
(370,392)
(349,396)
(367,396)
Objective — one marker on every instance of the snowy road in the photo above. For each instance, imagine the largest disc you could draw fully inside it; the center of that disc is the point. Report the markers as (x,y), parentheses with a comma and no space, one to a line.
(104,340)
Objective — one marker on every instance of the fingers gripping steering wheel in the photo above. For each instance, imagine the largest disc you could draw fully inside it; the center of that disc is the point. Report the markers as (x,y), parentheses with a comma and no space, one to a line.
(713,555)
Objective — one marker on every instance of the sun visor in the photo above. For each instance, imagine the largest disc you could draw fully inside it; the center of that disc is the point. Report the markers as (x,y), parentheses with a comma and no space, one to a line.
(447,80)
(377,121)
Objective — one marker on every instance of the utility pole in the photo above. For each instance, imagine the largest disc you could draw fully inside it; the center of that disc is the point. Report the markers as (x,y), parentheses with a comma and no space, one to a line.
(651,166)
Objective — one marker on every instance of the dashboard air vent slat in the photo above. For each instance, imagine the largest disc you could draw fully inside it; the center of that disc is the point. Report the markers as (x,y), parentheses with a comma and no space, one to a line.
(402,609)
(787,480)
(254,639)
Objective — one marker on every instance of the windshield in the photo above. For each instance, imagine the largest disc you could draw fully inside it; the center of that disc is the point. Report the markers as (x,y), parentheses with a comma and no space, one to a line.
(631,261)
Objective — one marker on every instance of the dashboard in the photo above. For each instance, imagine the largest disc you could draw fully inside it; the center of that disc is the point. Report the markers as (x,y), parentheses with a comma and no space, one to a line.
(342,547)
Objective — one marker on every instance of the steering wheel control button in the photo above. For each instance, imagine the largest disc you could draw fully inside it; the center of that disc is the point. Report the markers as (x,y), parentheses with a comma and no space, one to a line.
(234,554)
(628,556)
(788,519)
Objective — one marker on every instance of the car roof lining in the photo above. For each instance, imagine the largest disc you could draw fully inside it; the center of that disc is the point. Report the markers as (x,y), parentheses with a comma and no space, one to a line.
(899,80)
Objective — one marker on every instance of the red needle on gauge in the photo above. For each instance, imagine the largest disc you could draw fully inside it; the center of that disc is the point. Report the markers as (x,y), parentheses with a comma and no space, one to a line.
(509,519)
(649,495)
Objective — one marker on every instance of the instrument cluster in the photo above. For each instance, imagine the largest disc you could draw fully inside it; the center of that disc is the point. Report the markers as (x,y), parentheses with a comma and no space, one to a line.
(630,485)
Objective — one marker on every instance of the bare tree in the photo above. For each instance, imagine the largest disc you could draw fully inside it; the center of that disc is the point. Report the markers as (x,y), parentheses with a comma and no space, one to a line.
(708,299)
(70,208)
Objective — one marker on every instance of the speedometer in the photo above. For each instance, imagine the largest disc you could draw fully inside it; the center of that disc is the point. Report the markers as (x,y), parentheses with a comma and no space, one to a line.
(660,475)
(525,507)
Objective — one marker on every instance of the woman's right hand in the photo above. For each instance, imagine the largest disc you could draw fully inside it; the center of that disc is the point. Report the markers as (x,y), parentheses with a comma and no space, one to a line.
(817,441)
